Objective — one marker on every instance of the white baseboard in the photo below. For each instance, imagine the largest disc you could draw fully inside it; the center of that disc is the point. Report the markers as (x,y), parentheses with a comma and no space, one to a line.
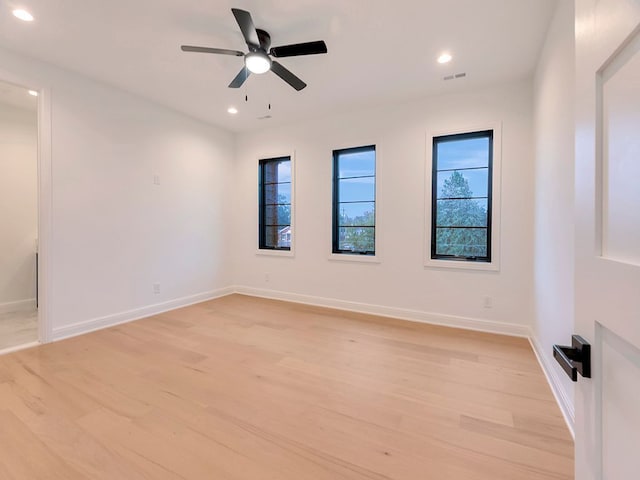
(94,324)
(19,306)
(17,348)
(559,392)
(467,323)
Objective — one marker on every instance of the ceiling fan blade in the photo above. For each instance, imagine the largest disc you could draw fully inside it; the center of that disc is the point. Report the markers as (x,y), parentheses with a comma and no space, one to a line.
(221,51)
(240,78)
(246,26)
(297,49)
(287,76)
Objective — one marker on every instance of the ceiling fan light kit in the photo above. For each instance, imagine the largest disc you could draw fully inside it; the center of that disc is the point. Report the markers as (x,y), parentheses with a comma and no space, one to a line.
(257,62)
(258,59)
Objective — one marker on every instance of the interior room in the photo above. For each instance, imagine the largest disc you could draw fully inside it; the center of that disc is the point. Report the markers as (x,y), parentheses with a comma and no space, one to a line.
(18,216)
(320,239)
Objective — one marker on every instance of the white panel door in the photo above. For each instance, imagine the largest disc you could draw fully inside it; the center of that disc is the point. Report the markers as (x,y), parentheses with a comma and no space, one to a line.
(608,237)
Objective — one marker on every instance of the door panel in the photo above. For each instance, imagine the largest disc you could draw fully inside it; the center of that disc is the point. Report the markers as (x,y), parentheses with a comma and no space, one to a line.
(607,261)
(619,83)
(619,415)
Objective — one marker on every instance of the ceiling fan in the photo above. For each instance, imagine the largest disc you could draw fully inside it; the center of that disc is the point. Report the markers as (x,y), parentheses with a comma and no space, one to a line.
(258,59)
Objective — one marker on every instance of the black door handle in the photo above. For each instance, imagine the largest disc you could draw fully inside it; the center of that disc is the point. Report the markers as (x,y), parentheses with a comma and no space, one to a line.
(574,359)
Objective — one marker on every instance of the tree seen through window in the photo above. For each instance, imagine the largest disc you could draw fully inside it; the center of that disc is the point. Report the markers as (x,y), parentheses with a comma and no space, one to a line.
(461,211)
(354,200)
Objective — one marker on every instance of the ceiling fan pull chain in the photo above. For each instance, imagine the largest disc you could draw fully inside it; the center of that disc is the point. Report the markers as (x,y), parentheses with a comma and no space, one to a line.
(246,87)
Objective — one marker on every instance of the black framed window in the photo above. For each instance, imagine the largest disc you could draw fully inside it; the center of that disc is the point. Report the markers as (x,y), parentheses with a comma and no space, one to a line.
(461,196)
(354,200)
(275,231)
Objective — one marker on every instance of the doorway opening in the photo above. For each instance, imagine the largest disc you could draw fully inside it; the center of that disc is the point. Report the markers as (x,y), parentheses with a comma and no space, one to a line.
(19,239)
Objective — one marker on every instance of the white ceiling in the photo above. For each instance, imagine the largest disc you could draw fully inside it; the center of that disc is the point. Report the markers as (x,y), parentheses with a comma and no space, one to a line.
(380,51)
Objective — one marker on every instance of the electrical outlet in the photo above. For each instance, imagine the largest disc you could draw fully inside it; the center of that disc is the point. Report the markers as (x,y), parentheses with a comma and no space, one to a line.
(156,179)
(156,289)
(487,302)
(267,277)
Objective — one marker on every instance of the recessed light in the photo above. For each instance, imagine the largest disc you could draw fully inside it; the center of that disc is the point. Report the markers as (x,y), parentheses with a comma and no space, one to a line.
(23,15)
(232,110)
(444,58)
(33,93)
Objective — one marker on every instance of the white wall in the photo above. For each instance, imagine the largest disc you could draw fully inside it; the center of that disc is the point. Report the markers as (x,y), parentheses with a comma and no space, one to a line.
(18,206)
(554,199)
(115,233)
(400,282)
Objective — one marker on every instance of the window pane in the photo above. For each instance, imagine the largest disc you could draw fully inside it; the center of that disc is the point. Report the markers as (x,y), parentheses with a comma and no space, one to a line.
(357,214)
(465,242)
(463,184)
(462,213)
(277,171)
(357,239)
(354,200)
(357,164)
(278,237)
(358,189)
(284,171)
(461,207)
(277,215)
(277,193)
(275,204)
(465,153)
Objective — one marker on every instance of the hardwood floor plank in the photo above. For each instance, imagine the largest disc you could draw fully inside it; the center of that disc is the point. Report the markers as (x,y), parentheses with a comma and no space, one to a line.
(242,388)
(24,455)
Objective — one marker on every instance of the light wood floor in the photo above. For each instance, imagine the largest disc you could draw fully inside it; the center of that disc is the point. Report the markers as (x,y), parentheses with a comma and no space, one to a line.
(18,328)
(244,388)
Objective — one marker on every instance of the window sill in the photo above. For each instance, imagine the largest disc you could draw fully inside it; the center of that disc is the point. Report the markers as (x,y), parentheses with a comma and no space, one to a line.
(275,253)
(462,265)
(347,257)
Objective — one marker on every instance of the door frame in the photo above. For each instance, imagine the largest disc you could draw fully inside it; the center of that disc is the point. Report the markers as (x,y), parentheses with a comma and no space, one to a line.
(45,202)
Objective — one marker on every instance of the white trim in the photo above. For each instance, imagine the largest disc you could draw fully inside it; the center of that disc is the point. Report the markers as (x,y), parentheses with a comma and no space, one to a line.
(496,189)
(467,323)
(458,264)
(275,253)
(17,348)
(354,257)
(551,374)
(45,217)
(94,324)
(278,253)
(18,306)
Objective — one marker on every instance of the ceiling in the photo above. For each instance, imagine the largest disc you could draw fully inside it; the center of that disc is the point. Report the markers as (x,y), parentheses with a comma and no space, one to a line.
(380,52)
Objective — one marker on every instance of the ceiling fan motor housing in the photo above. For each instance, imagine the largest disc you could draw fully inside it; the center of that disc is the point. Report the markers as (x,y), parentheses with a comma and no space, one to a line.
(265,39)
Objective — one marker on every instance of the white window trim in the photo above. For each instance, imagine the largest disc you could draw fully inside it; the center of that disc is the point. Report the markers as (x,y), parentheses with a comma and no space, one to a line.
(265,251)
(496,189)
(349,257)
(355,258)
